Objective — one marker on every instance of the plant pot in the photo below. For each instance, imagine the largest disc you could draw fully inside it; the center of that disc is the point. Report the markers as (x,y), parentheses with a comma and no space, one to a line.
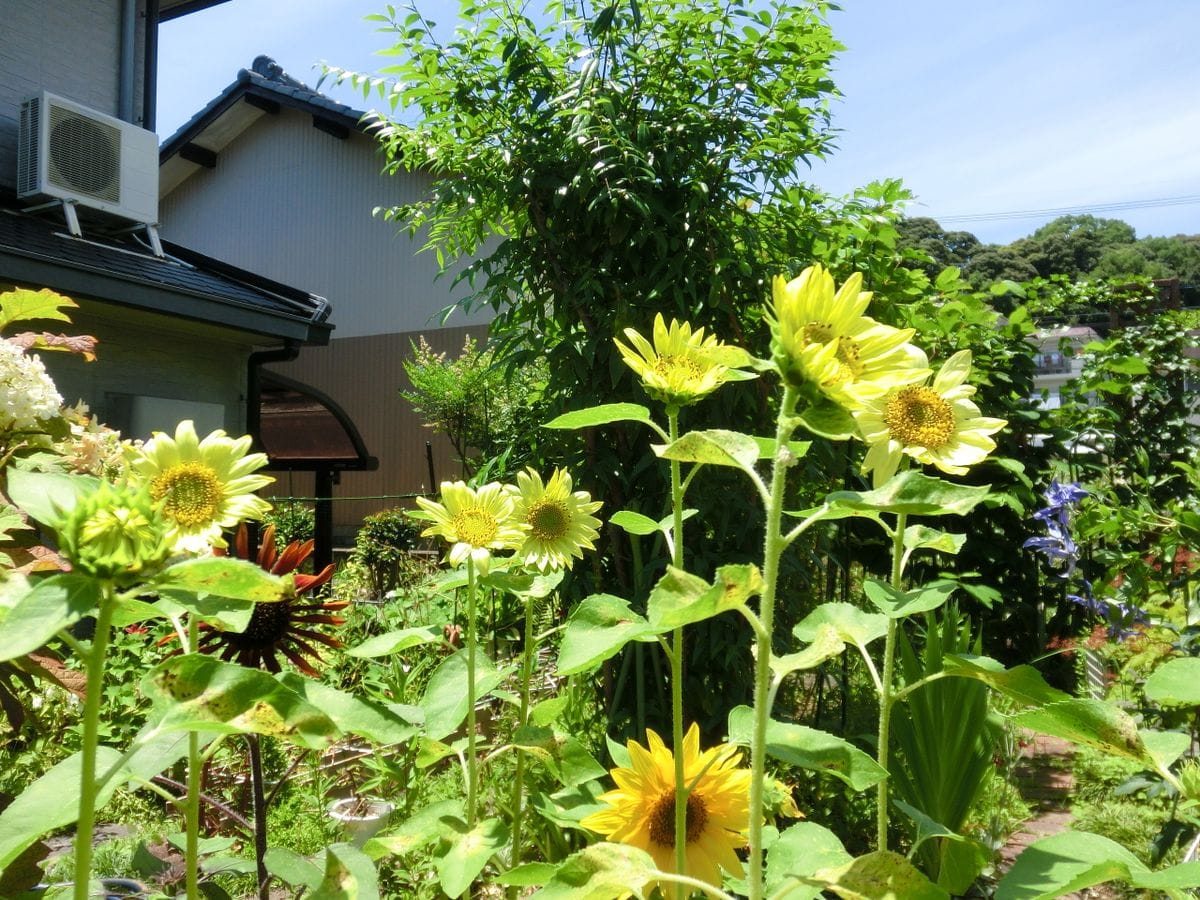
(114,888)
(361,817)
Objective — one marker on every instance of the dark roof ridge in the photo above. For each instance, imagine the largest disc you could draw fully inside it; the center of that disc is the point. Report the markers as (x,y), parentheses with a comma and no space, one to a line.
(266,79)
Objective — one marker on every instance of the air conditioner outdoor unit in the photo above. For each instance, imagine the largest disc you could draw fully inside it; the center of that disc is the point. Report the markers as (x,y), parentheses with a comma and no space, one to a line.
(69,152)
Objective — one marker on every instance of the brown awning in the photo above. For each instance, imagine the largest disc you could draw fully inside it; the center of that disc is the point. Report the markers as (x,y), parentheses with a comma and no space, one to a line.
(302,429)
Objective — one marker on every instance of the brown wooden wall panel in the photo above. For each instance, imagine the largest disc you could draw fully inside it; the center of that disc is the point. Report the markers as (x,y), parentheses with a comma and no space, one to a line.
(364,376)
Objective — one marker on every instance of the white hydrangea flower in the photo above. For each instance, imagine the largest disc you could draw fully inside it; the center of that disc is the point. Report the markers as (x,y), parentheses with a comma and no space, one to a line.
(29,395)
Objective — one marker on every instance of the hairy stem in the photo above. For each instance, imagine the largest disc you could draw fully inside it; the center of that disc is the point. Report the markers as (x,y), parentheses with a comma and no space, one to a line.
(773,545)
(886,686)
(91,742)
(472,762)
(676,658)
(522,721)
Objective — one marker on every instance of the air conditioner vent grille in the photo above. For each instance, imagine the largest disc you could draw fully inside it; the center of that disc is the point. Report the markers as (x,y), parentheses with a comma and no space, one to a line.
(84,155)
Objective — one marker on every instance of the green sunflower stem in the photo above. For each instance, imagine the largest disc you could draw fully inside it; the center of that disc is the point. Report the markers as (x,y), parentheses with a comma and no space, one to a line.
(191,808)
(472,761)
(681,788)
(91,742)
(523,719)
(773,545)
(887,690)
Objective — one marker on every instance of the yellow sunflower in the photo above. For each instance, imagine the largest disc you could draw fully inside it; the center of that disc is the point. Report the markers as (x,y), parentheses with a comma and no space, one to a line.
(560,521)
(203,486)
(642,808)
(682,366)
(820,336)
(475,522)
(935,424)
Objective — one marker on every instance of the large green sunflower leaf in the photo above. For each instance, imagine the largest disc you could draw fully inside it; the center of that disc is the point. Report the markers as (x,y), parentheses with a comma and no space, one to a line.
(292,868)
(378,722)
(604,414)
(395,641)
(349,875)
(421,829)
(809,748)
(881,875)
(602,871)
(53,604)
(227,613)
(681,598)
(199,693)
(1175,683)
(826,644)
(49,803)
(913,493)
(1066,862)
(828,420)
(468,854)
(715,447)
(445,701)
(1022,684)
(853,625)
(896,604)
(238,579)
(47,496)
(802,850)
(598,628)
(1090,722)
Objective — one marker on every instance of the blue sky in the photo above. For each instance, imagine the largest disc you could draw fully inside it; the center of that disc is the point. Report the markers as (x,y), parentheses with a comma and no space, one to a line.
(980,108)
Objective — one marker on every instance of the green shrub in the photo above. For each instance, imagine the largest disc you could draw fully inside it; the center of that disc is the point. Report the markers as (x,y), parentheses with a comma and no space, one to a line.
(293,522)
(382,548)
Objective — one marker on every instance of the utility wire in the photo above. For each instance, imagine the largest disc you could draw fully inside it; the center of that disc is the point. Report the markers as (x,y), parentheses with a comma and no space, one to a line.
(1119,206)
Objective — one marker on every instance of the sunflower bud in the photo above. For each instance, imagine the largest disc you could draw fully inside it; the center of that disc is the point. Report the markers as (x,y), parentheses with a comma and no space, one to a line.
(115,533)
(1189,779)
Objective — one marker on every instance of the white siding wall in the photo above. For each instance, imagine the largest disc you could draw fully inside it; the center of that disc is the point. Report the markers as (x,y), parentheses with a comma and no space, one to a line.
(295,204)
(67,47)
(152,355)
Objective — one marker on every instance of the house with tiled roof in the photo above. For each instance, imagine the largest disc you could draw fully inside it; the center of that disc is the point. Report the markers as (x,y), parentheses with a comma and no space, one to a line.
(272,173)
(182,333)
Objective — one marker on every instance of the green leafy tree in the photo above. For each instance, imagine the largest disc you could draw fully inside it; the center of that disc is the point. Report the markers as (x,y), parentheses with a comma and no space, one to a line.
(485,409)
(613,161)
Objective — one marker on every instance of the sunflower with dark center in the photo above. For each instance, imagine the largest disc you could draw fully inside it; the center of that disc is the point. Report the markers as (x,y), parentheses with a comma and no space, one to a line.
(641,811)
(286,627)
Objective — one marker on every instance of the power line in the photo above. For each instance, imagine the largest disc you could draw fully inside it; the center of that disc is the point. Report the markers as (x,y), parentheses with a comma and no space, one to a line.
(1054,212)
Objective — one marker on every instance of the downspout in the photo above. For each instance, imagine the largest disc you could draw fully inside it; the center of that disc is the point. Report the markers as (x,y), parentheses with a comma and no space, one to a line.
(150,68)
(128,54)
(288,352)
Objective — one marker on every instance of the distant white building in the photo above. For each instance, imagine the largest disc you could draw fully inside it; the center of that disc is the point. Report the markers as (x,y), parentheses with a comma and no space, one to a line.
(1058,358)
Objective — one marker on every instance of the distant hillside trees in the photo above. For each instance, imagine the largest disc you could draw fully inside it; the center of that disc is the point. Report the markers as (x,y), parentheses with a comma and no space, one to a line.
(1079,247)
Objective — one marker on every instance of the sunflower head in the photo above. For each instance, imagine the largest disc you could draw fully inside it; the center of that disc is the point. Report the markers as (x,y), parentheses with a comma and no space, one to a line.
(473,521)
(681,366)
(116,533)
(936,424)
(202,486)
(641,811)
(560,522)
(820,337)
(287,627)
